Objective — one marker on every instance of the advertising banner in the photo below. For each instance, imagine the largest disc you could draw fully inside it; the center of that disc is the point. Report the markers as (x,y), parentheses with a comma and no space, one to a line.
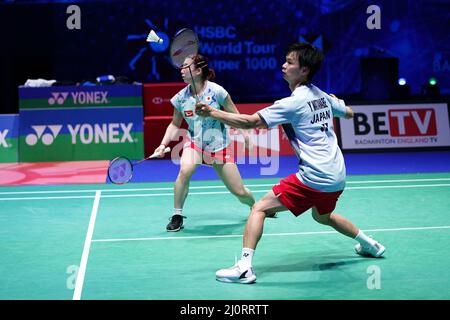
(80,96)
(9,133)
(79,123)
(396,126)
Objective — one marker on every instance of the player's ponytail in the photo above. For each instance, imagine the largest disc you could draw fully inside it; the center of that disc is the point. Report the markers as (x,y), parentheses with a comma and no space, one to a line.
(202,63)
(211,74)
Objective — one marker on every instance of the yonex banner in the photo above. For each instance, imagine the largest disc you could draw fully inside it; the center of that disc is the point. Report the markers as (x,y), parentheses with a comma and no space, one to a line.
(78,123)
(9,133)
(75,97)
(396,126)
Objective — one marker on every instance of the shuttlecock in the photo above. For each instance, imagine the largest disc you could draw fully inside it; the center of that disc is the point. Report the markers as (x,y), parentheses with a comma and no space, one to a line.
(153,37)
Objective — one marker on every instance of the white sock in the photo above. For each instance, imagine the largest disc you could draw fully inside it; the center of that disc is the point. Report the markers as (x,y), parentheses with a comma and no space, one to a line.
(177,211)
(246,257)
(362,238)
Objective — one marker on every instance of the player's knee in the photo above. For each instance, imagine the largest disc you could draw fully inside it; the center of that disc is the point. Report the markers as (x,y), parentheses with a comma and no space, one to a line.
(185,173)
(322,219)
(240,193)
(258,214)
(259,208)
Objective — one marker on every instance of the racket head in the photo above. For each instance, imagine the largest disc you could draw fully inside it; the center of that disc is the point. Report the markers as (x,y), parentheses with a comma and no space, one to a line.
(120,170)
(184,44)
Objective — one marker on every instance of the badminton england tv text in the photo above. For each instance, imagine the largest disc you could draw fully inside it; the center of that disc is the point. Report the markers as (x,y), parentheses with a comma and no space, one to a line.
(230,310)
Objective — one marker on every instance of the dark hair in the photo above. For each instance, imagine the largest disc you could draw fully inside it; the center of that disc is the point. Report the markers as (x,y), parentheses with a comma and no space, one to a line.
(308,56)
(202,63)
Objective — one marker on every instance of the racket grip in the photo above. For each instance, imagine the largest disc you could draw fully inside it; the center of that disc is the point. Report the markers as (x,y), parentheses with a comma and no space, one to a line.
(167,149)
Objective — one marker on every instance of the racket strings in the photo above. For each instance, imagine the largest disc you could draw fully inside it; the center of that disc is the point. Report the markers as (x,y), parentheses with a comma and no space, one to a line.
(185,44)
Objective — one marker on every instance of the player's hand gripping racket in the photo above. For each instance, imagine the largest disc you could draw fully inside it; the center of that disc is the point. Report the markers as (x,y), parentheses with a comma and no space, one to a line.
(120,169)
(184,45)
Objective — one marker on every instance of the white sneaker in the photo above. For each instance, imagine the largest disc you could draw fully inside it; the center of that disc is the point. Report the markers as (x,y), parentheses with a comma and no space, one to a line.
(375,250)
(236,274)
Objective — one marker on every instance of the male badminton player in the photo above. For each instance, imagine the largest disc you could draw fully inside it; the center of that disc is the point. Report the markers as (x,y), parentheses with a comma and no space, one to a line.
(307,118)
(209,141)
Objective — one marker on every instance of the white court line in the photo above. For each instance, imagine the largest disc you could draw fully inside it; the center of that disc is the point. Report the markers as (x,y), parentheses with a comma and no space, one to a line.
(265,234)
(207,187)
(87,245)
(47,198)
(214,192)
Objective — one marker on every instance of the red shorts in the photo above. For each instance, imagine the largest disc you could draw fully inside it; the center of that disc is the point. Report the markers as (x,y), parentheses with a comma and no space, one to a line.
(219,157)
(298,197)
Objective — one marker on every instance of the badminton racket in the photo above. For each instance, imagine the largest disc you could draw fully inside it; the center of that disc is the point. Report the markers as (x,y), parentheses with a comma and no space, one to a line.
(184,45)
(120,170)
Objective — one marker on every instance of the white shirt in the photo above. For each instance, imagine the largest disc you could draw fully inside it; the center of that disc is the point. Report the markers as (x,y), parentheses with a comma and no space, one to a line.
(307,119)
(207,133)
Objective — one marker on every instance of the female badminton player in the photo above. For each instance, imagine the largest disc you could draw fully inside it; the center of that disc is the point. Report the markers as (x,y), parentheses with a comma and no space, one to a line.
(208,139)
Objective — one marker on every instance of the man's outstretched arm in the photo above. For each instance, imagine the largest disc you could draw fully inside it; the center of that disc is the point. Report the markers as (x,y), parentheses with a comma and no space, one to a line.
(242,121)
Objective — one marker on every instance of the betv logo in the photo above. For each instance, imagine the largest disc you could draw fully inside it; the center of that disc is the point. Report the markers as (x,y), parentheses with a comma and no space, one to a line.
(82,97)
(3,135)
(402,123)
(47,138)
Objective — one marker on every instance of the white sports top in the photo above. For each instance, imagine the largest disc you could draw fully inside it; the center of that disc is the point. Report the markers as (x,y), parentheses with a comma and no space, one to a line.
(307,119)
(207,133)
